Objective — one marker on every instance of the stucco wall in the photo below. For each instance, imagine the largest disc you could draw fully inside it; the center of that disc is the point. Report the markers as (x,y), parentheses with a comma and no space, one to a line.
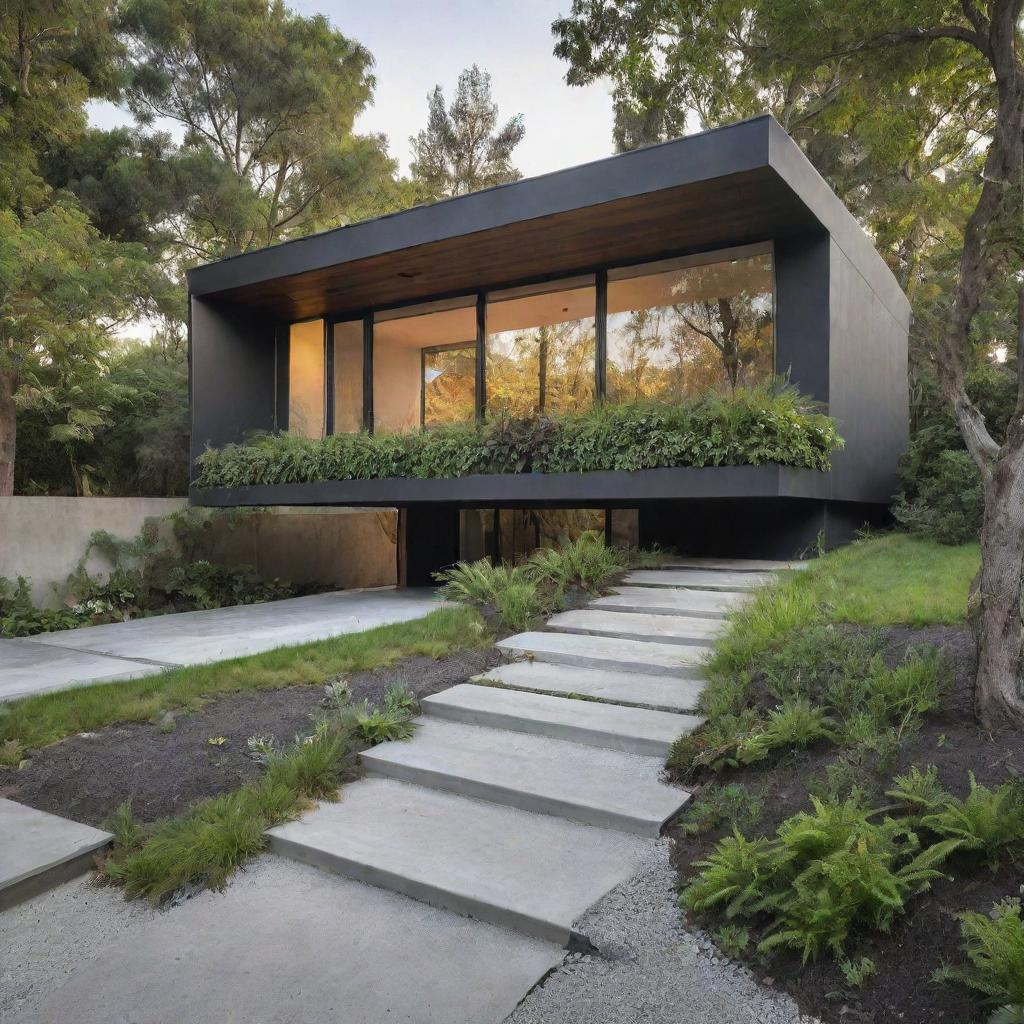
(43,538)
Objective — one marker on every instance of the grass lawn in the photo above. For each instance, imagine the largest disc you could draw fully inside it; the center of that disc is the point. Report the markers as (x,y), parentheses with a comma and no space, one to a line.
(892,579)
(38,721)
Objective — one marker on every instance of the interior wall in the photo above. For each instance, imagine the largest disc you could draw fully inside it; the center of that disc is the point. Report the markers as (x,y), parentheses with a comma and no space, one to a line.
(396,388)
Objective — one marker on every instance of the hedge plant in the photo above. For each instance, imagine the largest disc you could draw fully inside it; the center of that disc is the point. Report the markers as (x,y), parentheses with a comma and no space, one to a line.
(770,424)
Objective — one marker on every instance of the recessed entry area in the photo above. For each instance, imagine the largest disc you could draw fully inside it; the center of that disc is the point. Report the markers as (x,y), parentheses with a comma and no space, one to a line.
(511,534)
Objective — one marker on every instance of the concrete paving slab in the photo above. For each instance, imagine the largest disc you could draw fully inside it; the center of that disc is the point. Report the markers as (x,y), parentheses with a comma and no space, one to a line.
(735,564)
(142,646)
(40,850)
(605,788)
(530,872)
(664,629)
(610,726)
(613,654)
(709,604)
(286,942)
(699,579)
(28,667)
(618,687)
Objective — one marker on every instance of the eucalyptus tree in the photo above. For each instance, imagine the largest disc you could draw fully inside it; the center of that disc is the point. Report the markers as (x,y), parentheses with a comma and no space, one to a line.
(463,149)
(264,102)
(914,110)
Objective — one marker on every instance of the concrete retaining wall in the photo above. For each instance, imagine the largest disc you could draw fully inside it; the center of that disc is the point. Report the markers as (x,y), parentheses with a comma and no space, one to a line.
(43,538)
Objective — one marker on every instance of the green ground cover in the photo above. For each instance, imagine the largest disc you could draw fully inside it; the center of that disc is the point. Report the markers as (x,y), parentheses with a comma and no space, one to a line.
(37,721)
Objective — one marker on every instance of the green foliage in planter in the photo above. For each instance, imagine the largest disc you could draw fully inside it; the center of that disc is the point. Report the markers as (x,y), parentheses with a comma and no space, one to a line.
(770,424)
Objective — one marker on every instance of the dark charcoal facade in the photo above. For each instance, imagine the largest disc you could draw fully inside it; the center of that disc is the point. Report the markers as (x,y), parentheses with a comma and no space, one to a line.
(719,258)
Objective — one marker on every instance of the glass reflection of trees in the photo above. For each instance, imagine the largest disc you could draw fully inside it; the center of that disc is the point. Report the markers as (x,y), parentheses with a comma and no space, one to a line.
(687,330)
(449,385)
(540,352)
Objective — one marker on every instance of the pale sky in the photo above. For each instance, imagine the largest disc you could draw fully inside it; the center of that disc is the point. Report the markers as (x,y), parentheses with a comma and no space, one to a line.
(417,45)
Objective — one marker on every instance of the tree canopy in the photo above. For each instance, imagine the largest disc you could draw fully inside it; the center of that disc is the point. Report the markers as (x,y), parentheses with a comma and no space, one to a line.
(463,149)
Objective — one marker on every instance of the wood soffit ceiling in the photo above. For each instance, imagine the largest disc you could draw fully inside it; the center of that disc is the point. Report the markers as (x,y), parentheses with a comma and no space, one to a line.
(730,210)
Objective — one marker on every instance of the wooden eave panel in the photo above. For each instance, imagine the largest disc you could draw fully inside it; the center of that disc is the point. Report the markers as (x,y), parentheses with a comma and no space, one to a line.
(746,207)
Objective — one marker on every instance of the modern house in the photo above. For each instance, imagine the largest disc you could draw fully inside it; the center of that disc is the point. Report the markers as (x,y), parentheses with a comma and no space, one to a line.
(714,260)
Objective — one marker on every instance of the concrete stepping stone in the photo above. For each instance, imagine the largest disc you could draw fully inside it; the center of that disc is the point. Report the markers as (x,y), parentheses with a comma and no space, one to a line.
(663,629)
(606,788)
(637,730)
(734,564)
(39,851)
(530,872)
(708,604)
(611,653)
(699,579)
(618,687)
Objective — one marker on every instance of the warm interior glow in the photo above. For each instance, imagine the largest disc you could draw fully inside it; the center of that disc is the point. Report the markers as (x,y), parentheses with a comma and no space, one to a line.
(306,383)
(348,377)
(401,364)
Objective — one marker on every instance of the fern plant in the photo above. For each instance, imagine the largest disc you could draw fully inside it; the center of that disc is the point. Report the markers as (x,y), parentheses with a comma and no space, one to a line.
(986,820)
(994,947)
(796,723)
(737,878)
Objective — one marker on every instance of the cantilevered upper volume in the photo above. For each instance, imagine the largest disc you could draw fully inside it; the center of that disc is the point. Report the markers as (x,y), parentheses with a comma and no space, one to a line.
(712,262)
(723,187)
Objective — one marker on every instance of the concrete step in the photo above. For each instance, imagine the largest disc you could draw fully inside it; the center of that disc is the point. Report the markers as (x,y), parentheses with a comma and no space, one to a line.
(660,629)
(707,604)
(606,788)
(734,564)
(619,687)
(612,654)
(610,726)
(529,872)
(39,851)
(699,579)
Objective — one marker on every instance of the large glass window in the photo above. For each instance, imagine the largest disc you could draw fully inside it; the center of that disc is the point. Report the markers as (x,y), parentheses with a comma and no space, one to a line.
(686,326)
(540,348)
(348,377)
(306,379)
(424,365)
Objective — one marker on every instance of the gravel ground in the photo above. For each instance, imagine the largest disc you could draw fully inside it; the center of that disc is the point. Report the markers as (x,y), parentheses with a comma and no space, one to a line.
(649,969)
(45,939)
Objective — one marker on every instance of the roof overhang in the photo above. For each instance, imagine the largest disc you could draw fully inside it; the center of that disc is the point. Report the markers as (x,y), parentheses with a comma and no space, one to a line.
(743,183)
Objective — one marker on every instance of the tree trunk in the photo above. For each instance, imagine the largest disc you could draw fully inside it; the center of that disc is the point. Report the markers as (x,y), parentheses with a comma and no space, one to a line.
(996,605)
(8,431)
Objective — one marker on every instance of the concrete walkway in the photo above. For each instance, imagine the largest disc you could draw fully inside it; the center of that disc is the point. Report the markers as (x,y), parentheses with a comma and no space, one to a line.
(126,650)
(514,809)
(518,803)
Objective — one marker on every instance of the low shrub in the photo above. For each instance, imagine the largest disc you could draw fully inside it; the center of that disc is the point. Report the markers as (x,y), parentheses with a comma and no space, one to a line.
(770,424)
(827,874)
(586,562)
(20,617)
(521,595)
(986,821)
(994,947)
(733,804)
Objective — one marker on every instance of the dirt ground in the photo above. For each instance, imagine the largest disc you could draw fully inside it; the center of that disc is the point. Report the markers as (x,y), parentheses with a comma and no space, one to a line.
(163,769)
(902,990)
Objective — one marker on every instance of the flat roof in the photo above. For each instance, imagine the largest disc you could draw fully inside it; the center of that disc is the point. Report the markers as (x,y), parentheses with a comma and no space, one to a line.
(742,183)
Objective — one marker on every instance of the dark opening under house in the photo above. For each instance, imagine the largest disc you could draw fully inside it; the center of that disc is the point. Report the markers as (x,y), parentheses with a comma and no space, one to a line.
(708,264)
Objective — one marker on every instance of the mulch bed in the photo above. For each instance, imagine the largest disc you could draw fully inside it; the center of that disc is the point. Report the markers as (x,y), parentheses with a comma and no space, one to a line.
(162,773)
(929,934)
